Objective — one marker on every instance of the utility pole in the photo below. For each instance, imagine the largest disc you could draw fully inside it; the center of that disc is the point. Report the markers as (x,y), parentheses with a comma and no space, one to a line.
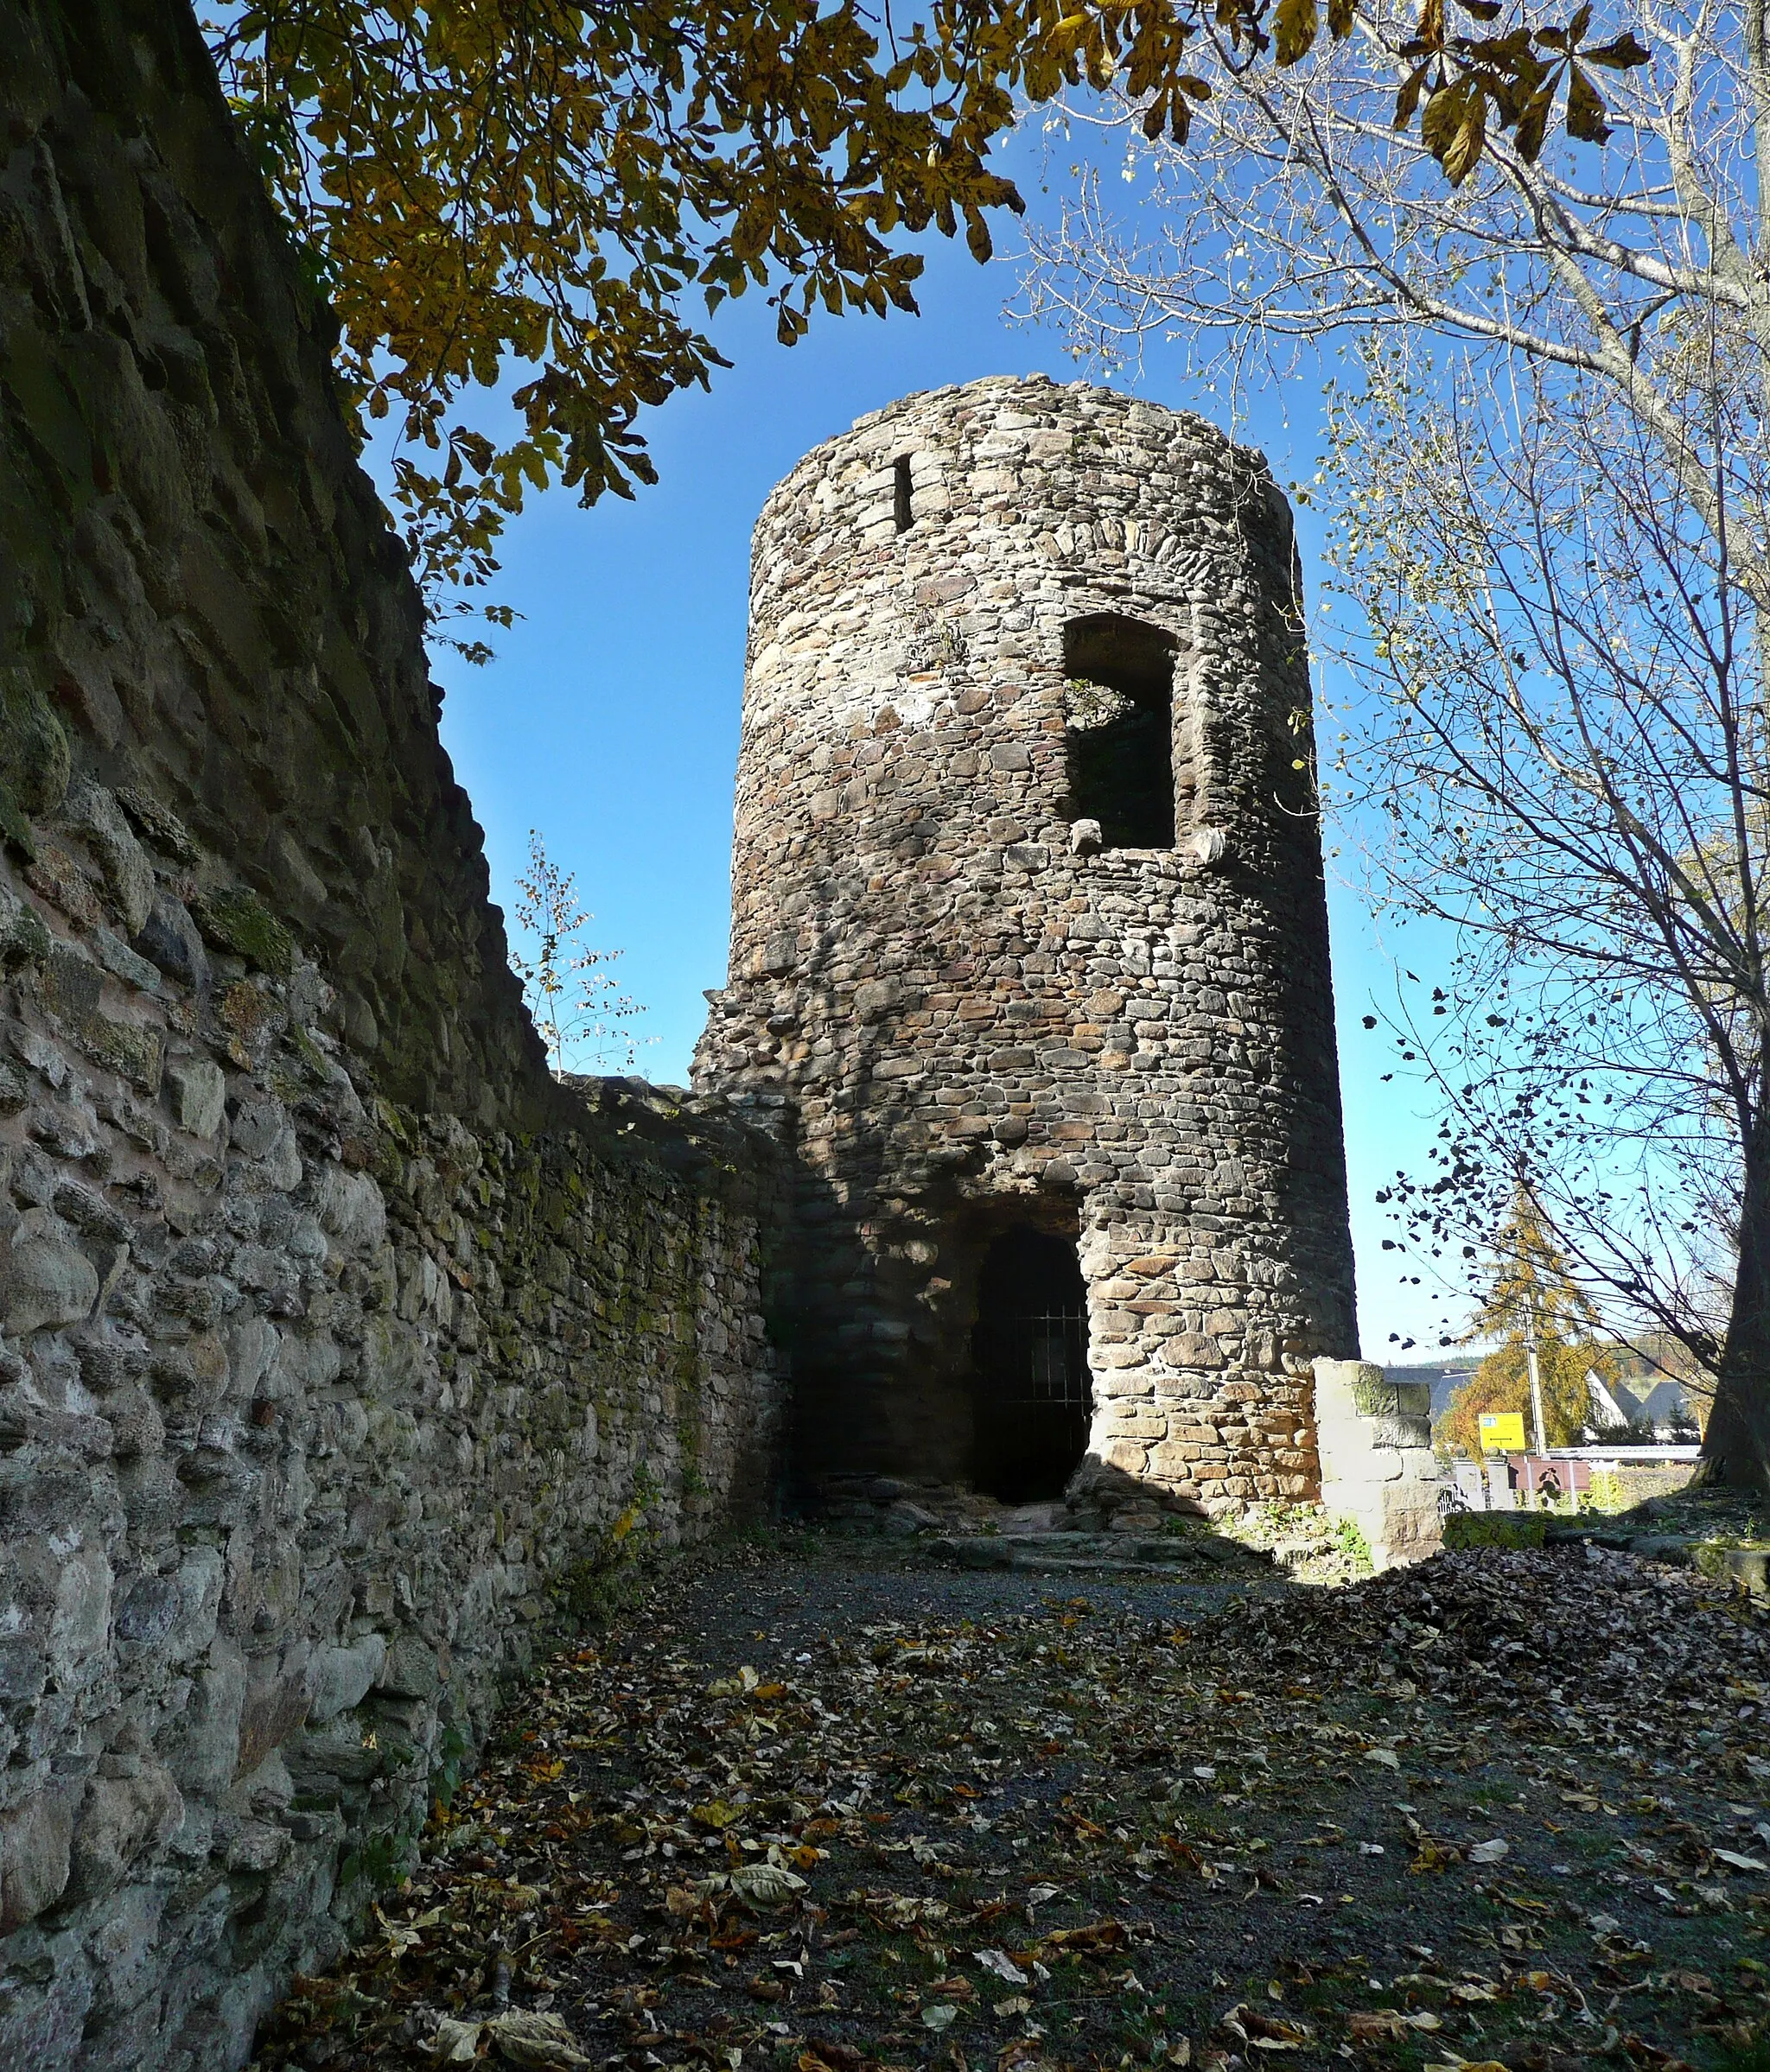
(1542,1437)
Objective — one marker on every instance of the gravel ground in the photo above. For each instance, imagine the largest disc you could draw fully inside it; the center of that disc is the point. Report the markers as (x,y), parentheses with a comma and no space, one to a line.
(721,1618)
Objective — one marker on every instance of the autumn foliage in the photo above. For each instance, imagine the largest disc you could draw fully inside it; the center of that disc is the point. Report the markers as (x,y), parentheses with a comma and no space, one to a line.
(1530,1288)
(561,193)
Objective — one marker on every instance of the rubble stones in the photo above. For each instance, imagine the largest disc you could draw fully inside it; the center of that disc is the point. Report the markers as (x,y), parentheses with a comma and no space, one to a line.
(963,1009)
(36,1838)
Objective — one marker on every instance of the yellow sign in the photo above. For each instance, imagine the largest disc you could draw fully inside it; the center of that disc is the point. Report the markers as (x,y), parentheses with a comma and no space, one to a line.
(1502,1432)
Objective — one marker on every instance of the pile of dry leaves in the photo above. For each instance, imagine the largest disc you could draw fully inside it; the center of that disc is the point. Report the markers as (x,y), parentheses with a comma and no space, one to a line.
(1505,1809)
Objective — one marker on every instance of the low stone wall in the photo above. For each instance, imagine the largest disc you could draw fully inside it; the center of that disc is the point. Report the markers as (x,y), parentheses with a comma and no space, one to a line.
(338,1345)
(1377,1467)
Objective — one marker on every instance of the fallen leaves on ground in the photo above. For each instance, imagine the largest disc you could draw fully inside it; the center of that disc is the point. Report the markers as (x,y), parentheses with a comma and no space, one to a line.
(1502,1813)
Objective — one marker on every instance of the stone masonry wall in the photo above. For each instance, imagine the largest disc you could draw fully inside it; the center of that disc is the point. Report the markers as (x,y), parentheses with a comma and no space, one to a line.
(964,1009)
(338,1345)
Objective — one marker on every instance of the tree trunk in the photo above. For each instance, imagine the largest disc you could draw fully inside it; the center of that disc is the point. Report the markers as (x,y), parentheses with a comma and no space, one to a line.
(1736,1445)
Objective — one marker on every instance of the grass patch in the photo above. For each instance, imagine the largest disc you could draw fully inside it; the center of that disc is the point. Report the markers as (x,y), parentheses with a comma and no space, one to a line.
(1494,1528)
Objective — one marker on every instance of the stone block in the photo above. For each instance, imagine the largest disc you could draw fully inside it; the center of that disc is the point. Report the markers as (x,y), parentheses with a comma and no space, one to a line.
(79,1623)
(1129,1456)
(1132,1421)
(35,1839)
(24,1670)
(1401,1432)
(410,1669)
(1192,1349)
(128,875)
(45,2013)
(343,1676)
(1136,1383)
(170,940)
(46,1279)
(68,986)
(199,1581)
(278,1691)
(122,1817)
(1175,1459)
(1107,1356)
(203,1750)
(121,2039)
(1374,1394)
(255,1127)
(198,1094)
(234,918)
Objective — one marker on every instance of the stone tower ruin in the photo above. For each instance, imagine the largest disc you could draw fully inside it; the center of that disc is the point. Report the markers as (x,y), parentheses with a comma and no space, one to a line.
(1029,957)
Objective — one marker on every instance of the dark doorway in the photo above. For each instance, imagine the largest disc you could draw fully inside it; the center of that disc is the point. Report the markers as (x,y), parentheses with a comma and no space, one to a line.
(1119,728)
(1030,1348)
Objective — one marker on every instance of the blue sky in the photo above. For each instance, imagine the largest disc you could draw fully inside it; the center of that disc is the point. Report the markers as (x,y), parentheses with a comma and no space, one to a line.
(608,719)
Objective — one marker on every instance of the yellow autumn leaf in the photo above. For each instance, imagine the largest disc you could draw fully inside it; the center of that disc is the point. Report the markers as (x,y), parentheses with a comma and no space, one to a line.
(716,1814)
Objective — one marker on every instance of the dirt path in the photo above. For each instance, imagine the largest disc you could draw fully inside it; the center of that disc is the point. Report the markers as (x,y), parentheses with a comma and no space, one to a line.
(722,1619)
(815,1814)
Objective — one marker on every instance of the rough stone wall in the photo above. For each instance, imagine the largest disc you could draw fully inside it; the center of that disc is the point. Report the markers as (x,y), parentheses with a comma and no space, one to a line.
(961,1012)
(338,1345)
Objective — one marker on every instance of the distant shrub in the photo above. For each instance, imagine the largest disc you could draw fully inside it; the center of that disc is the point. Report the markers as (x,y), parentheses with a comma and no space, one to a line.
(1605,1495)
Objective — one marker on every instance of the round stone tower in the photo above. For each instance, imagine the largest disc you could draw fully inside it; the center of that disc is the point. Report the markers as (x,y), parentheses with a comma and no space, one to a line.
(1029,952)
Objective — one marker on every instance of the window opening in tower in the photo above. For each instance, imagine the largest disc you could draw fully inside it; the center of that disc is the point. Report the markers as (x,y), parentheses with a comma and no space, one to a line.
(1119,729)
(900,493)
(1029,1349)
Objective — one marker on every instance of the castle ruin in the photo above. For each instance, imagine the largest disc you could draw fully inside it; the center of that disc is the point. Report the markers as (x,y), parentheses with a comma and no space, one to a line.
(1029,961)
(342,1350)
